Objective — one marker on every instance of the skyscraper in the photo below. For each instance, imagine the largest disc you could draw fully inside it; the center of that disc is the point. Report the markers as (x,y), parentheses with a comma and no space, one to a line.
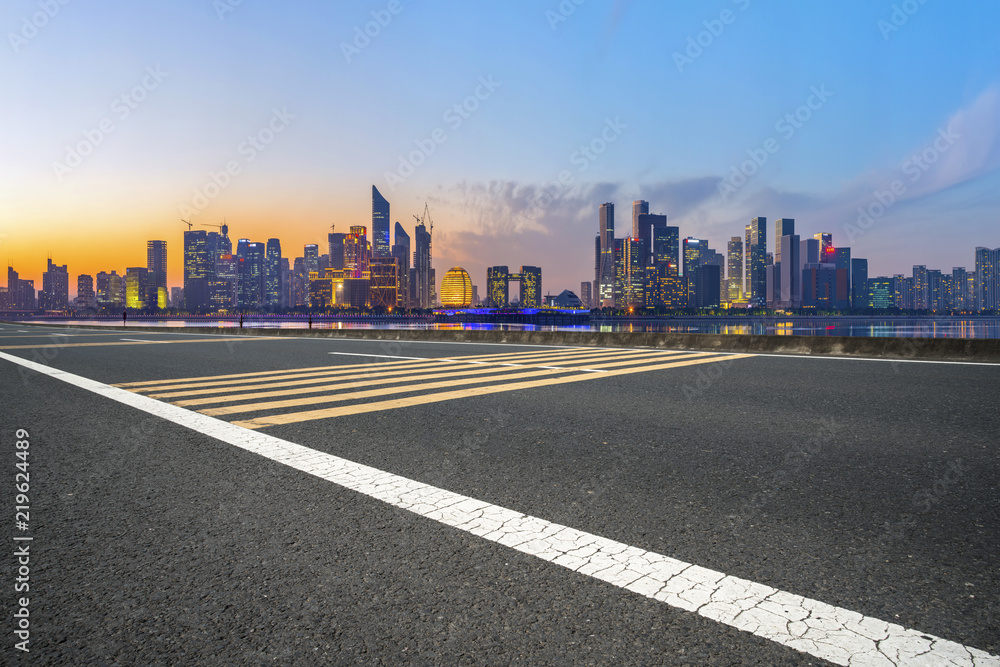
(272,274)
(198,268)
(758,262)
(156,265)
(735,267)
(530,280)
(422,268)
(606,274)
(639,207)
(380,225)
(356,252)
(859,284)
(55,287)
(782,227)
(401,252)
(497,286)
(988,279)
(250,274)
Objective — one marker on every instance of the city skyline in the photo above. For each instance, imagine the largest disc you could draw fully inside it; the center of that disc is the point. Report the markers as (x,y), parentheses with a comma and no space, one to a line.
(276,119)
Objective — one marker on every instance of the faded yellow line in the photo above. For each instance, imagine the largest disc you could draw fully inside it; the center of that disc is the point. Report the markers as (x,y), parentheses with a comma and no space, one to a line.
(155,342)
(498,373)
(502,371)
(327,413)
(265,374)
(373,370)
(358,373)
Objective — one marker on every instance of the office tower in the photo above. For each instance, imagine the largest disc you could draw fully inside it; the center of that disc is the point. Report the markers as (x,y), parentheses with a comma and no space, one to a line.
(530,285)
(177,298)
(401,252)
(825,246)
(859,284)
(782,227)
(55,287)
(734,285)
(788,276)
(310,258)
(335,240)
(606,274)
(286,284)
(747,264)
(757,259)
(630,272)
(101,289)
(222,286)
(136,286)
(639,207)
(156,265)
(585,293)
(356,251)
(272,274)
(988,279)
(20,293)
(694,249)
(383,283)
(421,283)
(665,243)
(85,297)
(300,283)
(250,275)
(652,227)
(497,287)
(380,225)
(881,293)
(707,279)
(598,258)
(198,267)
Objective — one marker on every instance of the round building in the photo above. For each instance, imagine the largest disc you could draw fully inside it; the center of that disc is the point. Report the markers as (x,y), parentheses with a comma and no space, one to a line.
(456,288)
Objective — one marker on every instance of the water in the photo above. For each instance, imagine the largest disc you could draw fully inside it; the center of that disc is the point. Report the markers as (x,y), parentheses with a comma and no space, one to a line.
(907,327)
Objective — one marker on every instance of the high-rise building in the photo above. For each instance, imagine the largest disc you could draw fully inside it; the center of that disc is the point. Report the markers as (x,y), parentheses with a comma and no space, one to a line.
(630,273)
(156,266)
(250,275)
(272,274)
(788,276)
(959,290)
(336,242)
(987,279)
(380,225)
(356,251)
(401,253)
(383,283)
(921,294)
(136,287)
(639,207)
(421,283)
(860,289)
(85,296)
(586,293)
(222,287)
(55,287)
(881,293)
(825,246)
(606,273)
(310,257)
(497,287)
(665,243)
(734,286)
(198,268)
(757,260)
(694,250)
(782,227)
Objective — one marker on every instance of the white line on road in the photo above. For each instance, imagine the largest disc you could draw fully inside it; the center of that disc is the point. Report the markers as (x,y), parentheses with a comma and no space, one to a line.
(832,633)
(377,356)
(136,340)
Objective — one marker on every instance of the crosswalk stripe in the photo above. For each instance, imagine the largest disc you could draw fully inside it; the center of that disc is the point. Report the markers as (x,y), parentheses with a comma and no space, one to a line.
(411,387)
(319,369)
(348,372)
(423,399)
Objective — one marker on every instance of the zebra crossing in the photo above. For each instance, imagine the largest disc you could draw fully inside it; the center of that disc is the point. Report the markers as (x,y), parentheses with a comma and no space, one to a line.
(269,398)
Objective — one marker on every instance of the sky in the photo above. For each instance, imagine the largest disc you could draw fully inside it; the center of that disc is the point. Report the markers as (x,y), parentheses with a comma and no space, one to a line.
(875,120)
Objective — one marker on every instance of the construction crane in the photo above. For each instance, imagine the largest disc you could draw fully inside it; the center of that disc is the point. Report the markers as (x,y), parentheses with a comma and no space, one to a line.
(223,227)
(188,223)
(427,222)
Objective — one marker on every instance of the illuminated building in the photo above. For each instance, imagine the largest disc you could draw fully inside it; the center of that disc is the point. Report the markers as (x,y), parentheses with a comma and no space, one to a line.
(198,267)
(734,291)
(272,274)
(401,252)
(605,277)
(380,225)
(55,287)
(136,286)
(422,282)
(987,279)
(757,260)
(456,288)
(250,274)
(383,285)
(531,286)
(585,293)
(497,287)
(156,264)
(881,294)
(85,297)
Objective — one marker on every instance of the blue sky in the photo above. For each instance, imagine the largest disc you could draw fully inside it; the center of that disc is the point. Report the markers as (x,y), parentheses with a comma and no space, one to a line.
(671,121)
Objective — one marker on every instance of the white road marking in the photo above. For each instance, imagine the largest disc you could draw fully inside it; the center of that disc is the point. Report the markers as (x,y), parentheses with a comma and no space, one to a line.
(379,356)
(832,633)
(136,340)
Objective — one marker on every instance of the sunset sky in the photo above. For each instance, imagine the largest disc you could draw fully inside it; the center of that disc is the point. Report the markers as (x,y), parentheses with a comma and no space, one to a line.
(116,116)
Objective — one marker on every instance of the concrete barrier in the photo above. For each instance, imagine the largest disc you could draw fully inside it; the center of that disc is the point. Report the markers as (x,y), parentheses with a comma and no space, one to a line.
(945,349)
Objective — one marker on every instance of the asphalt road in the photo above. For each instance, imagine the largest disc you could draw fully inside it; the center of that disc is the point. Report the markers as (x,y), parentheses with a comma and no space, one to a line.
(871,486)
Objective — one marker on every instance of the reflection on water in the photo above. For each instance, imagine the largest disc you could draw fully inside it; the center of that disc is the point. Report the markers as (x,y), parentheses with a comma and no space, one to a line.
(939,327)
